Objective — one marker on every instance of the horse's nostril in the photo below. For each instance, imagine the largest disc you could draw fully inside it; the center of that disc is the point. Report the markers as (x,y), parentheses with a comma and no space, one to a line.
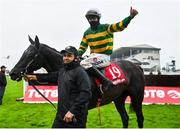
(13,76)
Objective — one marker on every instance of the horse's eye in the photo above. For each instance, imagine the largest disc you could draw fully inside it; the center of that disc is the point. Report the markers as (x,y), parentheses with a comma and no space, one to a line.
(31,55)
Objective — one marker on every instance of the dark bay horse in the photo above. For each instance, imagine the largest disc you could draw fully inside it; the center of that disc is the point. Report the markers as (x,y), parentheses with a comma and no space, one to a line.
(39,55)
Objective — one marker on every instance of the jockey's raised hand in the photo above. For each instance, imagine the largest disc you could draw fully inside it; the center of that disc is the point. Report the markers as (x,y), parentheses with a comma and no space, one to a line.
(133,12)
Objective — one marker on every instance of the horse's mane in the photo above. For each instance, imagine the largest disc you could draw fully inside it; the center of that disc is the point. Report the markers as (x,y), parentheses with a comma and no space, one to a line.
(53,49)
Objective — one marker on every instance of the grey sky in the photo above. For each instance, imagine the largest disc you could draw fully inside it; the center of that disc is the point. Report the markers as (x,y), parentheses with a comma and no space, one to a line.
(60,23)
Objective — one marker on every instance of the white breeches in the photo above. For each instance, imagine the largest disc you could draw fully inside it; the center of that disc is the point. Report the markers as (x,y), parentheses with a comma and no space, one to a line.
(97,60)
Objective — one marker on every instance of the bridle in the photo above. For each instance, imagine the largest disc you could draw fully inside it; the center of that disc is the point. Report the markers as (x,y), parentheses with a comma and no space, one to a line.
(24,73)
(38,53)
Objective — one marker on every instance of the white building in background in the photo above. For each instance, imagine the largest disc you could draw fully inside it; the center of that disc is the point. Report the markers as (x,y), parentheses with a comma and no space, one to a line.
(148,57)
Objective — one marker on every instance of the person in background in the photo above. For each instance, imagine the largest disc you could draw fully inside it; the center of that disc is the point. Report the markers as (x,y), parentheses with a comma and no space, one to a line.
(74,91)
(99,37)
(3,83)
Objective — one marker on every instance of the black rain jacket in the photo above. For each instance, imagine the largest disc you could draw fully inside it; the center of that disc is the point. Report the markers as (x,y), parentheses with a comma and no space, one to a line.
(74,90)
(3,81)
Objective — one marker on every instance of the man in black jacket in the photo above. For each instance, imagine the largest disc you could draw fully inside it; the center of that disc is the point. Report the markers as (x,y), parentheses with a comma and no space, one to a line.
(74,91)
(3,83)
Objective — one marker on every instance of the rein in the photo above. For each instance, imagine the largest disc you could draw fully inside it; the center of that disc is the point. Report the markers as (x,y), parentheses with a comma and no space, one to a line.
(33,85)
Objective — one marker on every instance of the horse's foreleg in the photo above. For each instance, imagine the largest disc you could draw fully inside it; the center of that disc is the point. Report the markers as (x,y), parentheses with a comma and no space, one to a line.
(120,106)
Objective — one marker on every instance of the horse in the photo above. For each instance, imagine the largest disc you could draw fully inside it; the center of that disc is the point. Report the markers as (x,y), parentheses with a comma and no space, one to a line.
(39,55)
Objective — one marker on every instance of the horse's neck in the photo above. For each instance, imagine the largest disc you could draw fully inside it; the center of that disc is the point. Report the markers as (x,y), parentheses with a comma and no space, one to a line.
(53,59)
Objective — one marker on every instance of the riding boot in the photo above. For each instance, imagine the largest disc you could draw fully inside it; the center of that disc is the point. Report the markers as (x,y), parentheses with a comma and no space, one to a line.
(106,84)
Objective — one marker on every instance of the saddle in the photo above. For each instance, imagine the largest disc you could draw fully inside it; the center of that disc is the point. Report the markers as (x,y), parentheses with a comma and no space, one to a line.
(114,73)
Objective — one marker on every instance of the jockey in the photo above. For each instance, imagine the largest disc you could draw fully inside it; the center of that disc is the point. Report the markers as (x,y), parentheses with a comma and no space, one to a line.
(99,37)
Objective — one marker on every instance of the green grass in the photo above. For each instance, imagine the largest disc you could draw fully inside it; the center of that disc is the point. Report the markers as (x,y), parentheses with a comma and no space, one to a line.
(15,114)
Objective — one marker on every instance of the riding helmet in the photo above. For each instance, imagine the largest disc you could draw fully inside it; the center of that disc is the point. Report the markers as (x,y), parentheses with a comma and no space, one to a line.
(93,12)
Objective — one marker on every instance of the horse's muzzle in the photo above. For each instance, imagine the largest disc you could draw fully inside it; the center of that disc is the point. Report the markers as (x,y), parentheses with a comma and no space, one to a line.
(15,76)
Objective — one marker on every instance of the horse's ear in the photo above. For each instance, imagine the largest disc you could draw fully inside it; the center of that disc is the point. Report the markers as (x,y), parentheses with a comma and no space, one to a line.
(37,41)
(30,40)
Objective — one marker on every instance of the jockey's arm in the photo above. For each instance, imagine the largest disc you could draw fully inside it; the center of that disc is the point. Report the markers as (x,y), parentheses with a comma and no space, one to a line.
(83,46)
(120,26)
